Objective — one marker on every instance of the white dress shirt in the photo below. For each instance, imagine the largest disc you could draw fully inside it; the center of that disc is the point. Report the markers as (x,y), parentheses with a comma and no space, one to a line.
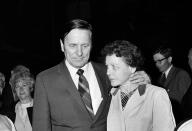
(89,74)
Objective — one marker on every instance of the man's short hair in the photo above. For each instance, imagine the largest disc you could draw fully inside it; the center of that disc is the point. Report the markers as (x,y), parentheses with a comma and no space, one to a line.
(75,24)
(163,50)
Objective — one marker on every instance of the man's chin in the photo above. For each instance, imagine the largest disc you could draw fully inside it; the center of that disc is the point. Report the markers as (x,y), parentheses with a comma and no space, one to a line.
(78,65)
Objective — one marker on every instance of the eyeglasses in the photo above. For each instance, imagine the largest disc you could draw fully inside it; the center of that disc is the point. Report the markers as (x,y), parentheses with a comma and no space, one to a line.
(159,61)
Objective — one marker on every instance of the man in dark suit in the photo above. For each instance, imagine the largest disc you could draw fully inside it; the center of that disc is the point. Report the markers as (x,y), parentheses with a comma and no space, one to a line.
(59,104)
(176,80)
(187,99)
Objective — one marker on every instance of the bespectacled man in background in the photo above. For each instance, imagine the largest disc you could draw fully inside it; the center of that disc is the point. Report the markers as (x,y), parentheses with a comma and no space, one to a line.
(175,80)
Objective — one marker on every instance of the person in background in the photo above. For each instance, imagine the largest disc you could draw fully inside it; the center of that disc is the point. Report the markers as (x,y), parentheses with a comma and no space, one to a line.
(2,86)
(187,99)
(23,84)
(6,124)
(73,95)
(175,80)
(2,82)
(190,58)
(9,98)
(16,70)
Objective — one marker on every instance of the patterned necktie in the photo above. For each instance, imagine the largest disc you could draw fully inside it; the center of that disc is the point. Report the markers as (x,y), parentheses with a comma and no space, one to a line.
(125,97)
(83,88)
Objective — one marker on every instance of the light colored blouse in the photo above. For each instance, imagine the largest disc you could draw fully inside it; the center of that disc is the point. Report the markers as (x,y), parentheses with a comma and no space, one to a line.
(22,122)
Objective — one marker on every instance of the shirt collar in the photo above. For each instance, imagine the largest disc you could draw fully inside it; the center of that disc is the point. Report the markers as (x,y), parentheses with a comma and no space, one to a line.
(73,70)
(167,71)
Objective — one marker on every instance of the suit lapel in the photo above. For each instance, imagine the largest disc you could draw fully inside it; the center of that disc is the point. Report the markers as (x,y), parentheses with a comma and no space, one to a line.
(170,76)
(101,81)
(68,83)
(96,70)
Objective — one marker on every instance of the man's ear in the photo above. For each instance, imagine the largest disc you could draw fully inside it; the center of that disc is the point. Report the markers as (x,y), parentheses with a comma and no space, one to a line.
(170,59)
(62,45)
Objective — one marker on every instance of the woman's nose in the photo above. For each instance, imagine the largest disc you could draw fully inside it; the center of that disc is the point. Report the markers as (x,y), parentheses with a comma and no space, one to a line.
(21,88)
(108,71)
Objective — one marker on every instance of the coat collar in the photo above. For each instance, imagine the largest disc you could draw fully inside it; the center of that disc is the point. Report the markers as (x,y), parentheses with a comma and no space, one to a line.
(141,90)
(135,100)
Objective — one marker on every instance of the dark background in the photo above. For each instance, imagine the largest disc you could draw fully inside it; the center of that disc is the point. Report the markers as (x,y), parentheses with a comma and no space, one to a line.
(30,29)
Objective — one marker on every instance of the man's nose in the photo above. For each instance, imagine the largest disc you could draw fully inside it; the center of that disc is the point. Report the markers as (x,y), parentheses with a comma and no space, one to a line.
(79,51)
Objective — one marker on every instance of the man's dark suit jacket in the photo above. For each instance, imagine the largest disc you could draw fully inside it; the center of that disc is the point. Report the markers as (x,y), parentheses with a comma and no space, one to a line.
(59,107)
(177,83)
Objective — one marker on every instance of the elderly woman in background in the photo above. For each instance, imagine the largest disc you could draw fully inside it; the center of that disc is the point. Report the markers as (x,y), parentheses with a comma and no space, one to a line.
(23,84)
(9,98)
(134,108)
(14,72)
